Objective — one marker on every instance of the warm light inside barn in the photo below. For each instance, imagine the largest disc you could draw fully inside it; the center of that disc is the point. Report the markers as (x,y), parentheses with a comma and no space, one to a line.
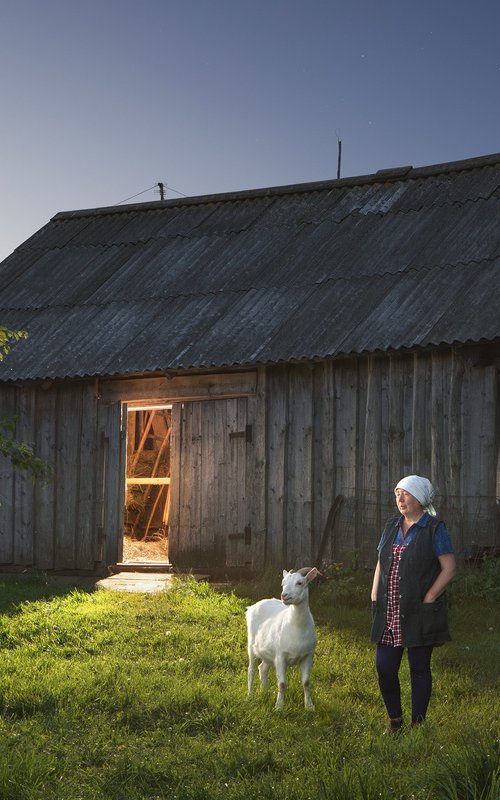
(147,503)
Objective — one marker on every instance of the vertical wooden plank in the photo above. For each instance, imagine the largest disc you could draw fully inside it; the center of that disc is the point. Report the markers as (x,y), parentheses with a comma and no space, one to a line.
(480,457)
(369,517)
(421,421)
(299,468)
(185,479)
(277,421)
(196,510)
(102,441)
(122,489)
(346,403)
(195,505)
(221,455)
(85,530)
(66,476)
(238,550)
(112,442)
(208,484)
(244,464)
(408,467)
(118,433)
(463,538)
(241,471)
(323,453)
(455,517)
(187,547)
(45,493)
(256,471)
(244,548)
(191,516)
(396,426)
(361,509)
(175,484)
(24,485)
(232,476)
(440,469)
(99,491)
(437,419)
(384,496)
(7,505)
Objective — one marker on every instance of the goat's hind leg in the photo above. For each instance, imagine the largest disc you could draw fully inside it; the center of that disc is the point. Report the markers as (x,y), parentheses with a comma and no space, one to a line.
(305,671)
(264,674)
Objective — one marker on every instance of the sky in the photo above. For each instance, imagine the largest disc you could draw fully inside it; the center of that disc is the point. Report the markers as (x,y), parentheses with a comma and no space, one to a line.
(103,99)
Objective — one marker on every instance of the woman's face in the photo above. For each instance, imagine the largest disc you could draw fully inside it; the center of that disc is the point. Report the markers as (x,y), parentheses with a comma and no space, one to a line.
(408,505)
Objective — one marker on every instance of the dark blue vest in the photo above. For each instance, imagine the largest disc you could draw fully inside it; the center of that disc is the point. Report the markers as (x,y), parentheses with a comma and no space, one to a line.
(421,623)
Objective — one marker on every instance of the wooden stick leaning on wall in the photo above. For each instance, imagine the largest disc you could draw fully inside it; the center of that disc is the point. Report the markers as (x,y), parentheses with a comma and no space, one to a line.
(328,530)
(140,447)
(148,491)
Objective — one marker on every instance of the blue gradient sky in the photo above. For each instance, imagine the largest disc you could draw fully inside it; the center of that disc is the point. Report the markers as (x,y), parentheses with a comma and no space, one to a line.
(101,99)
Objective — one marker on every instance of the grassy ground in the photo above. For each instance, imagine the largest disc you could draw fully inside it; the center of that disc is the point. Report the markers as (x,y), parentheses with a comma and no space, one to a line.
(127,697)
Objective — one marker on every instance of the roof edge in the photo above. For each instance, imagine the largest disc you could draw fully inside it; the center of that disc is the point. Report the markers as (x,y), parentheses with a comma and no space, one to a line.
(381,176)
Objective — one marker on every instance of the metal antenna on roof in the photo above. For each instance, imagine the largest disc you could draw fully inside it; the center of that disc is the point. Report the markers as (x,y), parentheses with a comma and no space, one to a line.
(162,190)
(339,158)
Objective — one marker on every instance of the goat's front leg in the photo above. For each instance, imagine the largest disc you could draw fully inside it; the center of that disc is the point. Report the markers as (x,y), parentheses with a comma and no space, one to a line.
(305,671)
(280,667)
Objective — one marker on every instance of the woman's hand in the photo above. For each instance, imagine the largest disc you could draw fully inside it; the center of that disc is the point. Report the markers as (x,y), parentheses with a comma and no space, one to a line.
(448,571)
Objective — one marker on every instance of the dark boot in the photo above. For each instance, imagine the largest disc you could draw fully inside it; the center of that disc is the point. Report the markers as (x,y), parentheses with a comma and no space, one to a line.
(394,726)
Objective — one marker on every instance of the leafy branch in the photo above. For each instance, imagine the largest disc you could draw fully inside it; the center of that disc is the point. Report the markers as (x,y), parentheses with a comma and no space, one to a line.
(7,338)
(20,454)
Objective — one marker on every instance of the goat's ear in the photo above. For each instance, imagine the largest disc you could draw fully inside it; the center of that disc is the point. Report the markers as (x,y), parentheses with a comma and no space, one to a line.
(285,573)
(311,575)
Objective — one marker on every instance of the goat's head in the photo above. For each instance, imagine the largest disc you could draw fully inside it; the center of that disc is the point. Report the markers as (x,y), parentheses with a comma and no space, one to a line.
(295,585)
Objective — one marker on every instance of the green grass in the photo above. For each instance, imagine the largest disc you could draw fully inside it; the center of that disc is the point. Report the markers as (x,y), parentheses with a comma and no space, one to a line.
(127,696)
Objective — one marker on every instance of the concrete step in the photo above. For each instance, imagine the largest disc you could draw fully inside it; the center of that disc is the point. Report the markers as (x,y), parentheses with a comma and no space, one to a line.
(142,566)
(141,581)
(136,582)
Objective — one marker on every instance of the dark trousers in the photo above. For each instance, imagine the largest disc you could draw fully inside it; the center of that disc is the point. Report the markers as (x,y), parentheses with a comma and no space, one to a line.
(388,661)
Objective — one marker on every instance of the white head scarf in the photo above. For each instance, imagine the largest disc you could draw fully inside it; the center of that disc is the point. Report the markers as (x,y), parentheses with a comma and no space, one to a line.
(422,489)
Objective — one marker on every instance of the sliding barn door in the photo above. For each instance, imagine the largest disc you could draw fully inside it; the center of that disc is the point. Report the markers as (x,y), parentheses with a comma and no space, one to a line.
(212,484)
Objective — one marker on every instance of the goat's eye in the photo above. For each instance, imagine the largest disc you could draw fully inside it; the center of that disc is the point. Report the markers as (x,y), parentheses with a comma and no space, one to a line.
(300,583)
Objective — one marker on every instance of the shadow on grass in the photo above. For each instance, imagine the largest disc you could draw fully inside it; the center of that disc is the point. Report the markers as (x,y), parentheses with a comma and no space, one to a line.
(18,589)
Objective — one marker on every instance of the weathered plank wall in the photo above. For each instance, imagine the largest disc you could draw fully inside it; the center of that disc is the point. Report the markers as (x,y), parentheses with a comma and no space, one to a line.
(62,525)
(348,426)
(356,426)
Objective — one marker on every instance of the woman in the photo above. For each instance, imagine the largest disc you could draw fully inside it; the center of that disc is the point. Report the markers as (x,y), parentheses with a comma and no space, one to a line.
(409,608)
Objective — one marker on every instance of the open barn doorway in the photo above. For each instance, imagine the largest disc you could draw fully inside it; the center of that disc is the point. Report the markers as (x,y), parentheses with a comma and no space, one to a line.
(147,497)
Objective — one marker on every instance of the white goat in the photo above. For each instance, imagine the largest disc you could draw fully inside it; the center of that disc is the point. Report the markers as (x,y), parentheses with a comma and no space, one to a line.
(281,633)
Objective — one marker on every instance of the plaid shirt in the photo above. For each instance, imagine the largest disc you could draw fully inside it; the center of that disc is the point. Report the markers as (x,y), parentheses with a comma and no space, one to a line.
(392,634)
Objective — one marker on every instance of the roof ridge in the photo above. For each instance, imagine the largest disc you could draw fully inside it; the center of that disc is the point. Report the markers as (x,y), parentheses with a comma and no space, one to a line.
(31,244)
(383,175)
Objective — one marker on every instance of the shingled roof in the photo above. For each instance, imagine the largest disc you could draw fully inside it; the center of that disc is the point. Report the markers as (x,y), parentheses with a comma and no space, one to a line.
(400,259)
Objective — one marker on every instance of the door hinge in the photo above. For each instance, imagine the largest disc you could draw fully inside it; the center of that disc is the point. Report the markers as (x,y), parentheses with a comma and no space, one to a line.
(246,535)
(246,434)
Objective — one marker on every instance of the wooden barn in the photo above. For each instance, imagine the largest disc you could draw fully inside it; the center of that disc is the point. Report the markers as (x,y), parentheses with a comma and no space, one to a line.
(241,379)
